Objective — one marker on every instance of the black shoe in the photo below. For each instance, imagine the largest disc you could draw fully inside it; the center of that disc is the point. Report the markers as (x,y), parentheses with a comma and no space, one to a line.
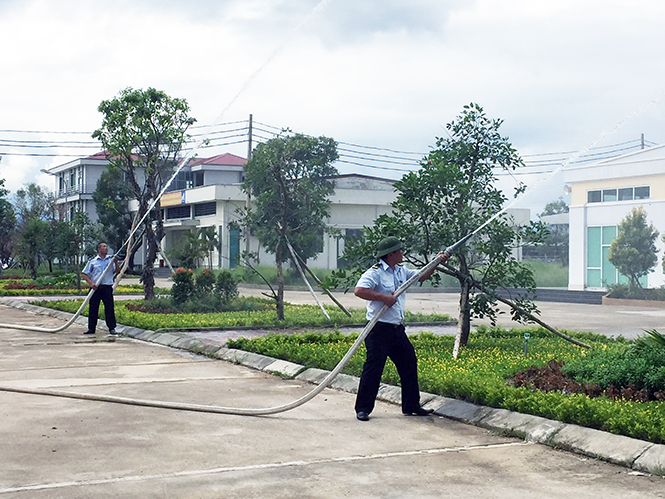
(113,332)
(362,416)
(418,412)
(89,332)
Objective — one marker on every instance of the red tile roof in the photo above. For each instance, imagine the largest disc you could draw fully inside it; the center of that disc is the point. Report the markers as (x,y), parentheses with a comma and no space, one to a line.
(225,159)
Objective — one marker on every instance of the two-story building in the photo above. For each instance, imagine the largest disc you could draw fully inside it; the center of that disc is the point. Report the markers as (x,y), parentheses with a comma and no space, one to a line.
(207,193)
(602,194)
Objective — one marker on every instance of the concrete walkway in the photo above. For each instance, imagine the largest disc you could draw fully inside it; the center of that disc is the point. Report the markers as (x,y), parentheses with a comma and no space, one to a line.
(629,322)
(58,447)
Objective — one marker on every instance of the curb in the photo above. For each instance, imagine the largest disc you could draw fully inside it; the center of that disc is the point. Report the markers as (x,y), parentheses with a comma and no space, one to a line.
(624,451)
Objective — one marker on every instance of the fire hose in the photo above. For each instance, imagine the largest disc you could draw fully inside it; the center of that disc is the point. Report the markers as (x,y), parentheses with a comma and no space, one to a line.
(235,410)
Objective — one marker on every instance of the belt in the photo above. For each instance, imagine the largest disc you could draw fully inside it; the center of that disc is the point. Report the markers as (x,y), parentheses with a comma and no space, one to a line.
(390,324)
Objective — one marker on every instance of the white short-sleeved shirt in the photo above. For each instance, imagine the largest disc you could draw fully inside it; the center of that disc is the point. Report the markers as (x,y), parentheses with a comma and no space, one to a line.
(95,267)
(382,279)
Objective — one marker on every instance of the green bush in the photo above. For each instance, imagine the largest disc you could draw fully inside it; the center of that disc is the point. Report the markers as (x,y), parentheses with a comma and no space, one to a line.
(61,281)
(624,291)
(637,363)
(204,284)
(226,287)
(183,286)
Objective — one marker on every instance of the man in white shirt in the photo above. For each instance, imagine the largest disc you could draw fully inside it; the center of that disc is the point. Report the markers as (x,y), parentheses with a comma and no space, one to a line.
(104,291)
(388,337)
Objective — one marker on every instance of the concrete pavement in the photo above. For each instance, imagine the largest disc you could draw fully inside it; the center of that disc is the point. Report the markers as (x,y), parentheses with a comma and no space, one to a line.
(57,447)
(626,321)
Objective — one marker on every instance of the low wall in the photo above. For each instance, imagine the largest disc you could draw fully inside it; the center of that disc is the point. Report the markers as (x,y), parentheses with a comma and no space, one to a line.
(633,303)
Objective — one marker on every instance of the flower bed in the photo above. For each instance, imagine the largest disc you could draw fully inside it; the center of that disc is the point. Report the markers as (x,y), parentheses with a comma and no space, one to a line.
(484,371)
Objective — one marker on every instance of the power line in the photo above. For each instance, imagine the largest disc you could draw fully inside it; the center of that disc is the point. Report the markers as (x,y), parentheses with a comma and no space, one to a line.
(352,154)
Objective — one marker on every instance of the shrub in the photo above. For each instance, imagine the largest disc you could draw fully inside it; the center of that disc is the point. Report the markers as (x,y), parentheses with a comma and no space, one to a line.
(183,286)
(640,363)
(204,283)
(226,287)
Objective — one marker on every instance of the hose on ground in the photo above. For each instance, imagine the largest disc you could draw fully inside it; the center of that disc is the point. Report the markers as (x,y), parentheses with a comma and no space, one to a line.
(237,410)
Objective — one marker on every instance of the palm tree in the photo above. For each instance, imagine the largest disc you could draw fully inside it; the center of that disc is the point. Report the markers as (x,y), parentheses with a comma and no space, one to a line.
(210,241)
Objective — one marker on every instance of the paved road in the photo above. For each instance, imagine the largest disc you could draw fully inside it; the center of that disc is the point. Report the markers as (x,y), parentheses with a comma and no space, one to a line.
(57,447)
(629,322)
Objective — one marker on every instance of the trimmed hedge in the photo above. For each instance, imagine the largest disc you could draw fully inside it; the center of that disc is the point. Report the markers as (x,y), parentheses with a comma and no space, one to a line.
(295,315)
(482,372)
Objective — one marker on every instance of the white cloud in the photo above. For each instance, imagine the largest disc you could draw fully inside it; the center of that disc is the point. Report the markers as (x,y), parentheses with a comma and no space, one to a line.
(381,73)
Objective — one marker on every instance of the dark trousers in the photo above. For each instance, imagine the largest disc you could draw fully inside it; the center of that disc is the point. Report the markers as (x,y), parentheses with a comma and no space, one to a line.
(102,294)
(388,340)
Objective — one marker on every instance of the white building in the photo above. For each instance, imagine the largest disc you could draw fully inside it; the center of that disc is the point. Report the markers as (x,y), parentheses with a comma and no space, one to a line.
(207,193)
(602,195)
(75,183)
(358,200)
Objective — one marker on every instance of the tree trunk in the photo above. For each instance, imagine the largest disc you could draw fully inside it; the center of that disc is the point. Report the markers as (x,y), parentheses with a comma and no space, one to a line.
(280,282)
(148,275)
(464,323)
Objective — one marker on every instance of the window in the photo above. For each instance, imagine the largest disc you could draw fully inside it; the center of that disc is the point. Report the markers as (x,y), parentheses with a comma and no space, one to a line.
(198,179)
(609,195)
(177,212)
(204,209)
(234,247)
(626,194)
(183,180)
(642,192)
(600,272)
(622,194)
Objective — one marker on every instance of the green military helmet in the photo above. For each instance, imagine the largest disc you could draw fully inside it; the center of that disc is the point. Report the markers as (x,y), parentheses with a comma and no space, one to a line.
(387,246)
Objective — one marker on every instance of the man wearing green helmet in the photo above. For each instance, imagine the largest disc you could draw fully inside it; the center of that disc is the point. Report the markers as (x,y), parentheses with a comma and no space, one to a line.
(388,337)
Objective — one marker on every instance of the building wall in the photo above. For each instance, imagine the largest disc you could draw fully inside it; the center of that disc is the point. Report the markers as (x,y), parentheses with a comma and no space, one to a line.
(644,168)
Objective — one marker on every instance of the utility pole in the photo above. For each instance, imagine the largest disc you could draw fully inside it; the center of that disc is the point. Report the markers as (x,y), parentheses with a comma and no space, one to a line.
(248,200)
(642,141)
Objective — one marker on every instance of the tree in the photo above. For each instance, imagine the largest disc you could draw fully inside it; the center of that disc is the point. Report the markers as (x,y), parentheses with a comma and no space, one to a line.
(210,242)
(83,239)
(31,242)
(32,201)
(289,180)
(449,197)
(555,207)
(34,209)
(7,227)
(112,195)
(144,132)
(556,242)
(633,251)
(188,250)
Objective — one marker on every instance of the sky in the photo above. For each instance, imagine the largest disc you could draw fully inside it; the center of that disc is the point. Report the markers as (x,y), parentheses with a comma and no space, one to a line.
(564,75)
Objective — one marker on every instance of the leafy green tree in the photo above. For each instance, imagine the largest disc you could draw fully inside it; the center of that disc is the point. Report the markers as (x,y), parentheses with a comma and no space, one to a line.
(144,132)
(633,251)
(112,195)
(31,242)
(451,195)
(554,246)
(188,250)
(289,180)
(84,237)
(34,208)
(32,201)
(7,227)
